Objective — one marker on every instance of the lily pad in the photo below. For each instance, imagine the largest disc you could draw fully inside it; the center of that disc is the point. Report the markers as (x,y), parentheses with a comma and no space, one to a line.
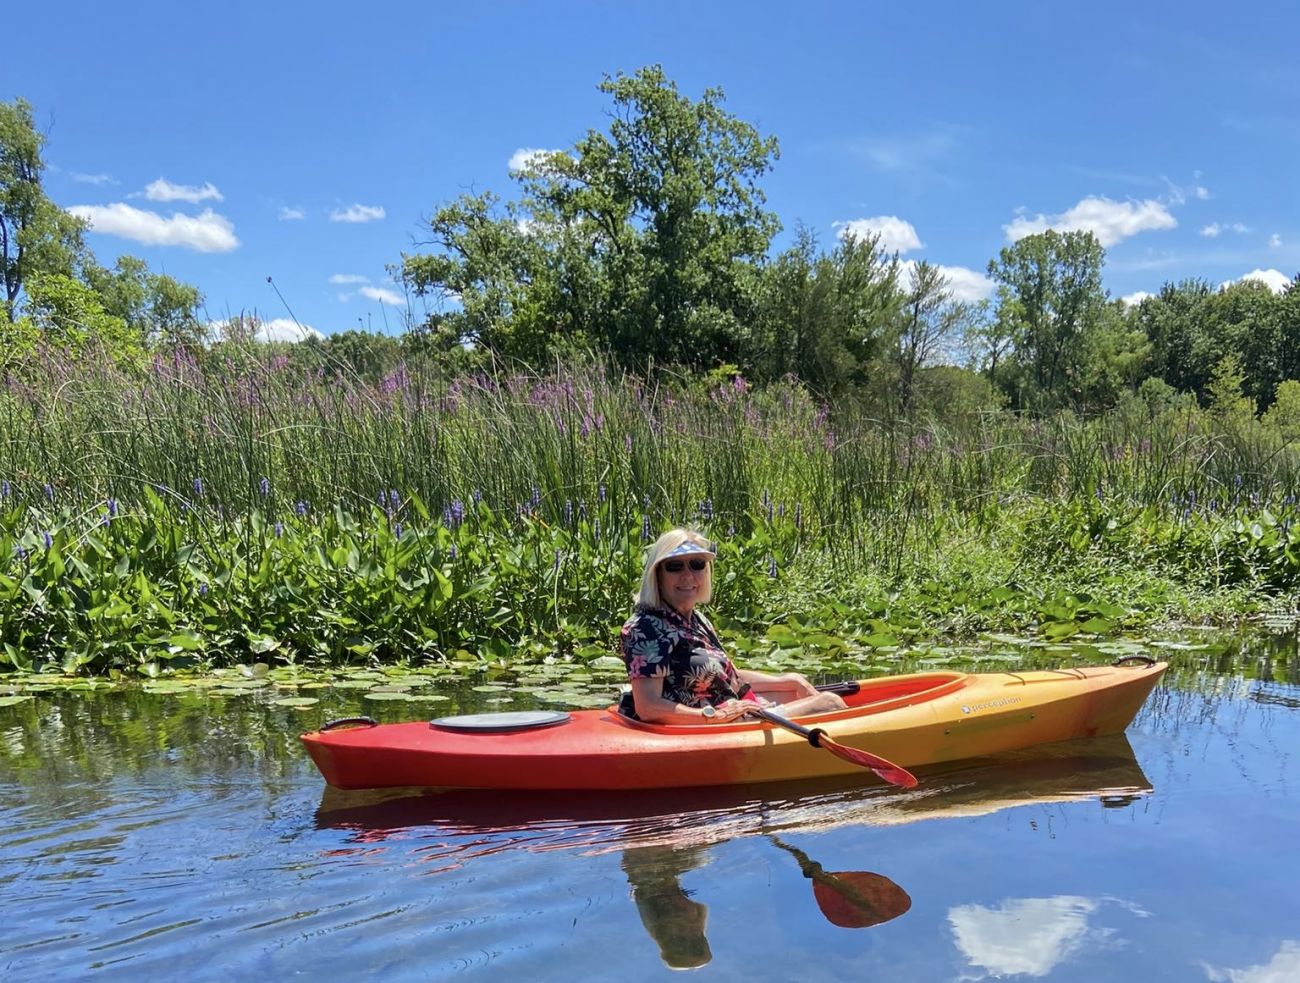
(9,701)
(296,702)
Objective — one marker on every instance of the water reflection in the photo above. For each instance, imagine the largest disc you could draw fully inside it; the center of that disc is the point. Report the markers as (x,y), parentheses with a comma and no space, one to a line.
(1026,936)
(1283,967)
(663,836)
(1104,769)
(674,919)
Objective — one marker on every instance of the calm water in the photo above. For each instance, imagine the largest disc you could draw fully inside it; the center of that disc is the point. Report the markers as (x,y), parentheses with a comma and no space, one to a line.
(186,837)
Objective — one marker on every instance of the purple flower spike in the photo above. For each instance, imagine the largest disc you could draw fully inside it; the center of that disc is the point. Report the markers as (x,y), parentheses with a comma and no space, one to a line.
(301,509)
(198,487)
(6,489)
(279,529)
(112,506)
(266,486)
(49,491)
(203,590)
(49,542)
(457,511)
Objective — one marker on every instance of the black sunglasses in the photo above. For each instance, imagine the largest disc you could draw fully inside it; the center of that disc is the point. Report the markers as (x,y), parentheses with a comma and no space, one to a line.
(677,566)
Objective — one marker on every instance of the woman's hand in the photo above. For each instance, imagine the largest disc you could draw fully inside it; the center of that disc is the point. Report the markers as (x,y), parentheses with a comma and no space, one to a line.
(730,711)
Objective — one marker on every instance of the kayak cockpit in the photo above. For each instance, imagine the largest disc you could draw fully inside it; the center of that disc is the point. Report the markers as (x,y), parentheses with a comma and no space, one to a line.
(862,698)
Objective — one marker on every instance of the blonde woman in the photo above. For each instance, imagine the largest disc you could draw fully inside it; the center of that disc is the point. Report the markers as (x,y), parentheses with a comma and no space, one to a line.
(675,662)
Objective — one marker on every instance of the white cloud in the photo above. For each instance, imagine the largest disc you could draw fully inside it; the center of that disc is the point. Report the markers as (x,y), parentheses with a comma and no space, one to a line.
(389,297)
(279,329)
(164,190)
(1135,298)
(1274,241)
(291,214)
(1275,280)
(283,329)
(1202,193)
(98,180)
(896,235)
(1029,936)
(526,157)
(1283,968)
(349,278)
(1214,229)
(206,233)
(1110,221)
(964,284)
(358,213)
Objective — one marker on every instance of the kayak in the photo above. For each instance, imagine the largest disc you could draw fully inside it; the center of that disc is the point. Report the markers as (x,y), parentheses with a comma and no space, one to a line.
(912,720)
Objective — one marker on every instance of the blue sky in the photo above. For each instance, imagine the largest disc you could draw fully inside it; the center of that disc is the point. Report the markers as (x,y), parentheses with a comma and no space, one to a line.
(227,144)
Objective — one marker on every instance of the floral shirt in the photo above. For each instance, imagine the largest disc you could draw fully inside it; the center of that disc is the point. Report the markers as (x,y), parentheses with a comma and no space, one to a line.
(685,653)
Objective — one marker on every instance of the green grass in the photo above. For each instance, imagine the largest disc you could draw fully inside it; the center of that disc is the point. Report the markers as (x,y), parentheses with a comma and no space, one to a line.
(242,508)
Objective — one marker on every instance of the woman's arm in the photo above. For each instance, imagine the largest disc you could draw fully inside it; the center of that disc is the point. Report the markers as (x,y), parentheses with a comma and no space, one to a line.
(789,685)
(647,697)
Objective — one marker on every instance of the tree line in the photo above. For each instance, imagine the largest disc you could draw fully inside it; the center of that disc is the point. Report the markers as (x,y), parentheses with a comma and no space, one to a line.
(650,242)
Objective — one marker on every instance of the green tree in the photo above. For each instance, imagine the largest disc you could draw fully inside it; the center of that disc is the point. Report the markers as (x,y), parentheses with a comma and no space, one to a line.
(158,309)
(1049,300)
(824,317)
(930,321)
(1115,358)
(35,234)
(641,239)
(1179,344)
(68,313)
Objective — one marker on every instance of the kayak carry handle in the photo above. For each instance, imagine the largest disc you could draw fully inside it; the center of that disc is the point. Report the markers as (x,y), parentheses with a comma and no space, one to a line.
(1142,660)
(341,721)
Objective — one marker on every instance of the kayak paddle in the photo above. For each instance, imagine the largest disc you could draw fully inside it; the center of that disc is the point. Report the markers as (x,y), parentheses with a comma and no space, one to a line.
(890,772)
(851,898)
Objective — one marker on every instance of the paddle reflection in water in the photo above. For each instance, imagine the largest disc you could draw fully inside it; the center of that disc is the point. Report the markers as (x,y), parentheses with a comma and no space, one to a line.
(664,834)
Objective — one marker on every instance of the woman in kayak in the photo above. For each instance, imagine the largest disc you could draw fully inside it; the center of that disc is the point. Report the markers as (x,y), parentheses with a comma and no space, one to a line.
(675,662)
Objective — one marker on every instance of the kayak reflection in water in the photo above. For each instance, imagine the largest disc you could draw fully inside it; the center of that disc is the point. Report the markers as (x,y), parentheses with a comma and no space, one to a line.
(674,920)
(675,661)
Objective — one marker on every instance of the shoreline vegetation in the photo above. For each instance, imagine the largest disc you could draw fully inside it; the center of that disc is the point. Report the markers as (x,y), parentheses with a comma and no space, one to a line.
(619,345)
(239,508)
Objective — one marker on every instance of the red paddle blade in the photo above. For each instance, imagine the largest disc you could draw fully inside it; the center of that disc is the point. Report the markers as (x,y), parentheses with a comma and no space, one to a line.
(890,772)
(859,898)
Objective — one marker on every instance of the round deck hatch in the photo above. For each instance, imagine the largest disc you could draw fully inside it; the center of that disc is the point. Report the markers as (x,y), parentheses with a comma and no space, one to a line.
(507,720)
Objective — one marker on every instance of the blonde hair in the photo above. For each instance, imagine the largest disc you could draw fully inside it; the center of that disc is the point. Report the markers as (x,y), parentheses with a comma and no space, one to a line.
(658,550)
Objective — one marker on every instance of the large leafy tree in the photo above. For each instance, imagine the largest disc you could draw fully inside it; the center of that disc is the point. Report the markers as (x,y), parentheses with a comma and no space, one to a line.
(35,234)
(641,238)
(824,317)
(1049,300)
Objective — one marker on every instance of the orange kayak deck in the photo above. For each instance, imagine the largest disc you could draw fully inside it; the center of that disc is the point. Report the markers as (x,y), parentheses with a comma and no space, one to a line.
(913,720)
